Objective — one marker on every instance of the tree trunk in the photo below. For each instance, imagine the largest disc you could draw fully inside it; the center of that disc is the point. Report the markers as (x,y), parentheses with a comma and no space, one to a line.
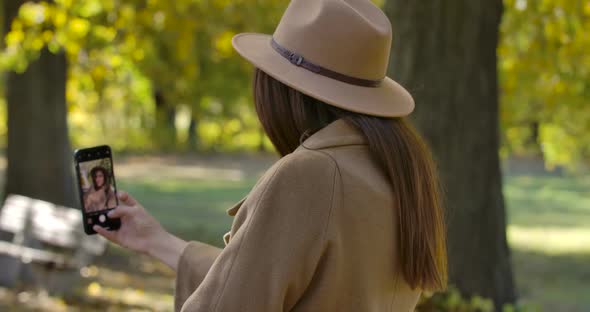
(533,142)
(165,130)
(39,156)
(445,53)
(193,143)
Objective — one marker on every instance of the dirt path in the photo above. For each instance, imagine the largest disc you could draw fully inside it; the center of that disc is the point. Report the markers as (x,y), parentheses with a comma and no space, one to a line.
(223,166)
(232,167)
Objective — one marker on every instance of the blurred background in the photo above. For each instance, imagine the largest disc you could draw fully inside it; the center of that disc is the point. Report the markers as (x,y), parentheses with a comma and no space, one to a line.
(503,97)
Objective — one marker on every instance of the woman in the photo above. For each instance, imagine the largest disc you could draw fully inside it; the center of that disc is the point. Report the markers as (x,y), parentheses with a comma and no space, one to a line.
(101,195)
(349,219)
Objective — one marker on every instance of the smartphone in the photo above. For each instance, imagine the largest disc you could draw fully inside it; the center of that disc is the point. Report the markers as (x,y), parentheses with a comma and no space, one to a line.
(97,187)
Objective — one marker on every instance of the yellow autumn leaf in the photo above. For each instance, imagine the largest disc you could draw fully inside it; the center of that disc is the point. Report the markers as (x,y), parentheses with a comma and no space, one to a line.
(32,13)
(16,24)
(64,3)
(14,37)
(127,12)
(138,54)
(98,72)
(116,60)
(108,5)
(72,48)
(130,41)
(559,87)
(221,3)
(94,289)
(37,43)
(104,33)
(47,35)
(79,27)
(59,18)
(223,43)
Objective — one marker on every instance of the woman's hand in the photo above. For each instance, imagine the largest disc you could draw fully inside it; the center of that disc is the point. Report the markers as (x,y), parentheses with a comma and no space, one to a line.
(142,233)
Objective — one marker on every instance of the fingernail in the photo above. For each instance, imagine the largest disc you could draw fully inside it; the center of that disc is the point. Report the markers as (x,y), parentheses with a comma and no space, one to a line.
(95,227)
(110,213)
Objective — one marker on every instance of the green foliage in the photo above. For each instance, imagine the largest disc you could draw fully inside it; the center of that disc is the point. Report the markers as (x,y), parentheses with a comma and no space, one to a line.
(122,52)
(545,72)
(453,301)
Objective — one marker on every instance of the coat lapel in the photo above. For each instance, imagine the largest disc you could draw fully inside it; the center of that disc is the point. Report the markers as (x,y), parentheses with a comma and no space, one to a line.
(234,209)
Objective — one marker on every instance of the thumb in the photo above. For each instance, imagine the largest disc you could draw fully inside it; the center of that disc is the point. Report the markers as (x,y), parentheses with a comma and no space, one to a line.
(126,198)
(110,235)
(120,211)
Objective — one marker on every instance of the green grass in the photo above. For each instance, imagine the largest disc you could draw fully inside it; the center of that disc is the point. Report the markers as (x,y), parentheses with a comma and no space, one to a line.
(543,201)
(549,228)
(555,282)
(549,233)
(548,217)
(192,209)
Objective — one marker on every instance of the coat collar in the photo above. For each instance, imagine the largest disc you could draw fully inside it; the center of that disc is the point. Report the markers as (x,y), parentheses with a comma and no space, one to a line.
(337,133)
(234,209)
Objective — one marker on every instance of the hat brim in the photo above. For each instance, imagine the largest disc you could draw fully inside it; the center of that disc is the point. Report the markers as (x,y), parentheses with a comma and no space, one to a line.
(390,99)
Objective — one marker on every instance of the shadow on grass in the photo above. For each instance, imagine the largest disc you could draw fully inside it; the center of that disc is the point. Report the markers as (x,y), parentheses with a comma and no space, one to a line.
(548,201)
(555,282)
(195,209)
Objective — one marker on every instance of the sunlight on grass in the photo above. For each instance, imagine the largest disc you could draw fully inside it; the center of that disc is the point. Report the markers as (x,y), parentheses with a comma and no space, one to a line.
(549,234)
(550,215)
(550,240)
(13,300)
(130,296)
(548,230)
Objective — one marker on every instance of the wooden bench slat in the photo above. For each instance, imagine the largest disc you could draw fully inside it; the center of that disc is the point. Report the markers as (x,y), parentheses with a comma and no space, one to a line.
(27,254)
(51,224)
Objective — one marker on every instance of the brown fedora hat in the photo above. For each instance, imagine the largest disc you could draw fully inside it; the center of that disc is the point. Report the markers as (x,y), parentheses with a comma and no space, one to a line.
(336,51)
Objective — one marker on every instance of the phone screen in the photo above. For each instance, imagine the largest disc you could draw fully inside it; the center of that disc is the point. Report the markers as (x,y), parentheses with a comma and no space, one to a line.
(98,190)
(98,186)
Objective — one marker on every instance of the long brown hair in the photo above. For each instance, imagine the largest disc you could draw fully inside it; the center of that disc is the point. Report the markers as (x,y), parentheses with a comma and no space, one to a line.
(105,176)
(289,116)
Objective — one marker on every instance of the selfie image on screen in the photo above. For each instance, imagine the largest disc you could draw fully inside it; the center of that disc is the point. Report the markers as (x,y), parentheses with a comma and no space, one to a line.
(97,185)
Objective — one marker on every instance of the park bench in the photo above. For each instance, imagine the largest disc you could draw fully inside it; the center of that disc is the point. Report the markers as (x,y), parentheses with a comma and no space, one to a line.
(43,244)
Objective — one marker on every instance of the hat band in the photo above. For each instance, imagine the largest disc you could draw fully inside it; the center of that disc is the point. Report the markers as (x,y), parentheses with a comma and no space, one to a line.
(298,60)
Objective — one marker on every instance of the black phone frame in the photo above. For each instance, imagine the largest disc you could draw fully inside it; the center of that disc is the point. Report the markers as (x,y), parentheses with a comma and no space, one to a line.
(90,219)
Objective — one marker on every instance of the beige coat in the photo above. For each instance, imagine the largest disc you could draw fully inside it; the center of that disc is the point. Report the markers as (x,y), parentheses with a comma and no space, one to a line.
(316,233)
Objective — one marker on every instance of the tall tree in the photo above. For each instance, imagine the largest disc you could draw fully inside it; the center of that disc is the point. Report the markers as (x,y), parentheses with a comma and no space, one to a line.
(120,52)
(38,149)
(545,79)
(445,53)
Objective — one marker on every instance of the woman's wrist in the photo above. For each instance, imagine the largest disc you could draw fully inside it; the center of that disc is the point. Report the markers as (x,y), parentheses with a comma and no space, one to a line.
(167,248)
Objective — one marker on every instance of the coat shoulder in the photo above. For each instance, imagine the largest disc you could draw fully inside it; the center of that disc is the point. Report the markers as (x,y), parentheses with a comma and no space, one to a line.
(302,166)
(309,160)
(290,173)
